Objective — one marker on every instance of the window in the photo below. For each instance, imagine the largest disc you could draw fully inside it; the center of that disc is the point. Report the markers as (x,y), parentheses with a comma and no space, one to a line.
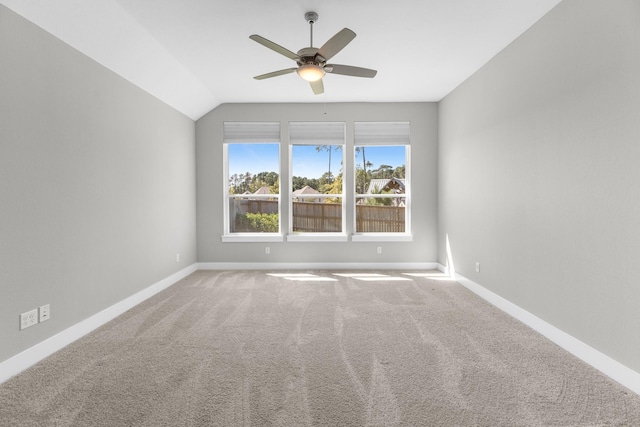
(252,174)
(374,206)
(381,179)
(316,190)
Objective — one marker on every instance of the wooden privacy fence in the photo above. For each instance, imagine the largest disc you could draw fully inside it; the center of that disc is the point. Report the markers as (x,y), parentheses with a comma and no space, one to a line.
(244,206)
(327,217)
(379,219)
(317,217)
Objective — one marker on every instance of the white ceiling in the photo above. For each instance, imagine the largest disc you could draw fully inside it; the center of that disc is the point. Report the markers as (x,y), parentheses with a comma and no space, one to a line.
(196,54)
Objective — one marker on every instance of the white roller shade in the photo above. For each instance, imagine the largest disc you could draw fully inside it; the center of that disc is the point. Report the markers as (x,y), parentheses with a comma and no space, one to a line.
(317,133)
(251,132)
(382,133)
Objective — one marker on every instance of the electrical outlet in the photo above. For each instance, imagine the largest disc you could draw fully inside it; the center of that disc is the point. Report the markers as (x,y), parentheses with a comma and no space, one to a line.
(177,257)
(45,313)
(379,249)
(477,267)
(267,250)
(28,318)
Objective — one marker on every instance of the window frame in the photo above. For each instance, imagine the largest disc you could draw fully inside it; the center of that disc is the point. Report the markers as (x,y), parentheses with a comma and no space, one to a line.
(373,134)
(382,134)
(250,133)
(316,137)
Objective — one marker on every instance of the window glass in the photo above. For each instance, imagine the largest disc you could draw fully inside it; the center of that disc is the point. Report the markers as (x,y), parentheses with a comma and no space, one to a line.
(316,188)
(381,188)
(253,187)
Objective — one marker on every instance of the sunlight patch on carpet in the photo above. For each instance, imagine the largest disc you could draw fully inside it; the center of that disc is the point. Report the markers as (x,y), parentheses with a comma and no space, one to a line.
(303,277)
(371,277)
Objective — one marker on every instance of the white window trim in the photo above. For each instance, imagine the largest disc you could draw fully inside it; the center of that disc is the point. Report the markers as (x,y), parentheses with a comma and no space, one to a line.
(386,237)
(317,236)
(348,197)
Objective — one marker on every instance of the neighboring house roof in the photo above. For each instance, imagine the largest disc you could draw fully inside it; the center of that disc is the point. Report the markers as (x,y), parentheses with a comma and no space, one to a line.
(385,184)
(263,190)
(306,190)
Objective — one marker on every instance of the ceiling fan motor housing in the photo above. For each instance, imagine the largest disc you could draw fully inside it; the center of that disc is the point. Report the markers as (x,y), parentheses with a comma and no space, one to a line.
(308,55)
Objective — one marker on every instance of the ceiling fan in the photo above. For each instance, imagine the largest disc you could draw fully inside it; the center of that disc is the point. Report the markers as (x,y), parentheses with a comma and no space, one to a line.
(312,61)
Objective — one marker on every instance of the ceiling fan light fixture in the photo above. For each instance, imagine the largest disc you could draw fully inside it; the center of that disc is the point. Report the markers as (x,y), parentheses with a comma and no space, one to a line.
(311,72)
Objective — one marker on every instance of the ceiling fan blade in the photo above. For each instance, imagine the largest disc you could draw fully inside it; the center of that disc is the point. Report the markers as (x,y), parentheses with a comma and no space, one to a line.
(275,47)
(275,73)
(317,87)
(348,70)
(336,43)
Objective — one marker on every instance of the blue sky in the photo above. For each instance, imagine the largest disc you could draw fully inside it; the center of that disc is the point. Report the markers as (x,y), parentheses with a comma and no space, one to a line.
(253,158)
(307,161)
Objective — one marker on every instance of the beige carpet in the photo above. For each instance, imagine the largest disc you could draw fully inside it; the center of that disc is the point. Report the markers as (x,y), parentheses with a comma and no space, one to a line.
(251,349)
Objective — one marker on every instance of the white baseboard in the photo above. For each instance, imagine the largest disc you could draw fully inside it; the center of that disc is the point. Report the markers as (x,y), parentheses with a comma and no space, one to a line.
(33,355)
(318,266)
(605,364)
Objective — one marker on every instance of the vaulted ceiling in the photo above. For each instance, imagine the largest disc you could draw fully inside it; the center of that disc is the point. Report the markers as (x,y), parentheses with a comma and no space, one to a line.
(196,54)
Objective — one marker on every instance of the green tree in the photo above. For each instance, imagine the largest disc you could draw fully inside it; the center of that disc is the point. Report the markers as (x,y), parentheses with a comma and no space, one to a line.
(382,172)
(362,180)
(275,187)
(299,182)
(239,183)
(399,172)
(365,165)
(268,178)
(386,201)
(233,183)
(247,183)
(258,222)
(325,181)
(334,188)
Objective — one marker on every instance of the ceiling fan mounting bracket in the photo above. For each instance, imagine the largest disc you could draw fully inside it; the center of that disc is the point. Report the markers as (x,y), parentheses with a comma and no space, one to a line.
(311,17)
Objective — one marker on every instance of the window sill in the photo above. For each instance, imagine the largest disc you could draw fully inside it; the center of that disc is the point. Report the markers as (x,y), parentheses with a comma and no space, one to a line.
(317,237)
(382,237)
(252,237)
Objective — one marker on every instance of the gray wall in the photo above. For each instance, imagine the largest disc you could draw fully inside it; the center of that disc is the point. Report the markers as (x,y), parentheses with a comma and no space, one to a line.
(423,248)
(539,178)
(97,185)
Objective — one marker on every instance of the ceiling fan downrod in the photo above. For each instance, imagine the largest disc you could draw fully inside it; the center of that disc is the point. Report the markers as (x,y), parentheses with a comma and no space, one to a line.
(311,18)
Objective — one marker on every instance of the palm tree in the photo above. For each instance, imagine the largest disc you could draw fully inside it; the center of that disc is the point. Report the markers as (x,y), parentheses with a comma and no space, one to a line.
(329,148)
(364,166)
